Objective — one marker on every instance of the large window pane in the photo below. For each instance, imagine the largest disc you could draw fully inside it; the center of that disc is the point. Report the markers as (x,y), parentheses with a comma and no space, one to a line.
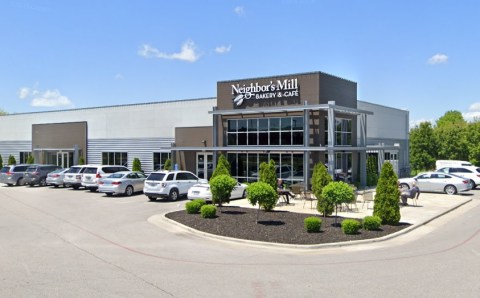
(252,139)
(274,138)
(242,125)
(263,124)
(232,125)
(232,139)
(242,165)
(232,159)
(242,139)
(274,124)
(263,138)
(252,125)
(297,138)
(286,123)
(252,164)
(297,123)
(286,138)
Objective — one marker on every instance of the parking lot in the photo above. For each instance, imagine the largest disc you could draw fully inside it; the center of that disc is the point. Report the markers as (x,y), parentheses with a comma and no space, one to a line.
(71,243)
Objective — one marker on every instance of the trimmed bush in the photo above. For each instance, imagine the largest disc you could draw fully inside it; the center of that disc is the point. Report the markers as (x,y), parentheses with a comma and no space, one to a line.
(208,211)
(194,206)
(263,194)
(386,199)
(351,226)
(312,224)
(371,223)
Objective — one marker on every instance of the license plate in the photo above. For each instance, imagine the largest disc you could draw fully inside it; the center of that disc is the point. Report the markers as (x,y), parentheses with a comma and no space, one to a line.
(88,178)
(196,192)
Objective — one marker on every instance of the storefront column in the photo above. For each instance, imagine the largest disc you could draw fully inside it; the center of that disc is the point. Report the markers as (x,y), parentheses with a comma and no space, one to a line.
(306,143)
(363,153)
(331,139)
(215,138)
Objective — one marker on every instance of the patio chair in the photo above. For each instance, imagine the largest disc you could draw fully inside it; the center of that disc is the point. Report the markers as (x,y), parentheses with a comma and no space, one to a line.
(368,196)
(309,196)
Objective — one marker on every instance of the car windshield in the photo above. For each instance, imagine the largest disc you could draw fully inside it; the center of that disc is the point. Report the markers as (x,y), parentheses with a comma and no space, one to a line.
(74,170)
(90,171)
(5,170)
(57,171)
(156,176)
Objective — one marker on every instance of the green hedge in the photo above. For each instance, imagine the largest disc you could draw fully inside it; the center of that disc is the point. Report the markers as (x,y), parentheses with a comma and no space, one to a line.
(312,224)
(372,223)
(208,211)
(351,226)
(194,206)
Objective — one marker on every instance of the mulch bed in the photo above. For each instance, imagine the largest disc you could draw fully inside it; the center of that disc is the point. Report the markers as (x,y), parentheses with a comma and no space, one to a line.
(275,226)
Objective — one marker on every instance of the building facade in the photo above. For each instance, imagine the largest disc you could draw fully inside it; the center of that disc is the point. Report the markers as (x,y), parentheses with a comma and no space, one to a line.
(296,120)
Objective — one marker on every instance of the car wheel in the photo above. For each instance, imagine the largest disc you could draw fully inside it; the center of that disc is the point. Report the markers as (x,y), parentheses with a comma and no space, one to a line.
(129,191)
(75,187)
(109,194)
(20,182)
(9,184)
(55,185)
(42,182)
(152,198)
(404,187)
(473,184)
(450,190)
(173,195)
(92,189)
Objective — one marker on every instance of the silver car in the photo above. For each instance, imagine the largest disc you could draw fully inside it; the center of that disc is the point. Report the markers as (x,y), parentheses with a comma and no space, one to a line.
(13,174)
(437,182)
(125,182)
(56,178)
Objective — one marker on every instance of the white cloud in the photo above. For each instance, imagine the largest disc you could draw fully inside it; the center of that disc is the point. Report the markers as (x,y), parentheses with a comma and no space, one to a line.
(239,10)
(473,112)
(51,98)
(23,92)
(187,53)
(119,77)
(438,59)
(223,49)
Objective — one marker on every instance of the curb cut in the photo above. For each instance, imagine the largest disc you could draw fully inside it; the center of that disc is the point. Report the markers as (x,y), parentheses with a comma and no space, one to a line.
(162,217)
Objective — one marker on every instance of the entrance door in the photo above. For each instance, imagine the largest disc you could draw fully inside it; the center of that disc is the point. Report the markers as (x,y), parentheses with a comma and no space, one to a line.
(204,165)
(63,159)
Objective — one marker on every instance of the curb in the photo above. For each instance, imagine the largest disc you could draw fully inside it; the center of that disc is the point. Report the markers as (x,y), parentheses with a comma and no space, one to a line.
(155,219)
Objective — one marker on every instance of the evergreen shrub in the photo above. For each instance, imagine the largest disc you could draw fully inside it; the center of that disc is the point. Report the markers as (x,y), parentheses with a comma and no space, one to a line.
(386,198)
(372,223)
(193,207)
(351,226)
(312,224)
(208,211)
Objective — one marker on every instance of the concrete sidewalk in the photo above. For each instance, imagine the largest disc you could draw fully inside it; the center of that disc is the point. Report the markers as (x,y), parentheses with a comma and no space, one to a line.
(430,206)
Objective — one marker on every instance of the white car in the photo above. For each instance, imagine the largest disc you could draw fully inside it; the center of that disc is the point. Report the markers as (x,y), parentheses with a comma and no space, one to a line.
(169,184)
(437,182)
(202,191)
(472,173)
(125,182)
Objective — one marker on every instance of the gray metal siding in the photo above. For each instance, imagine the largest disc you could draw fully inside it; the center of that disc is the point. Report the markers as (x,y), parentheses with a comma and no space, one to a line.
(14,148)
(143,148)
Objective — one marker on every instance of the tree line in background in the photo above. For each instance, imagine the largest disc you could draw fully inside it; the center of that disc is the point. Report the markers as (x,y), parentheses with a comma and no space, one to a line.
(451,138)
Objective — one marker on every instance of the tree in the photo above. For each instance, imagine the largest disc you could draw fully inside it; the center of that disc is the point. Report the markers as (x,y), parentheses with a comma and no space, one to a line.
(423,147)
(12,160)
(372,170)
(136,165)
(268,173)
(263,194)
(3,112)
(222,168)
(30,159)
(451,134)
(168,165)
(221,187)
(473,133)
(81,160)
(387,195)
(336,193)
(1,161)
(320,179)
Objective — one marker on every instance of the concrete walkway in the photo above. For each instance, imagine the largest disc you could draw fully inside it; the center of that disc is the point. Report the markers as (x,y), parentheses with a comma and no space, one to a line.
(430,206)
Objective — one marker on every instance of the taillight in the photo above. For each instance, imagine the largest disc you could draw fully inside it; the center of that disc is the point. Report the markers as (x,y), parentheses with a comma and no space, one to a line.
(466,181)
(36,173)
(116,183)
(55,175)
(98,176)
(100,182)
(9,173)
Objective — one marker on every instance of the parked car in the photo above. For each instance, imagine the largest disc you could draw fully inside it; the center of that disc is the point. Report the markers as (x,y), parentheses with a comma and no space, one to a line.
(93,173)
(202,191)
(452,163)
(437,182)
(125,182)
(472,173)
(169,184)
(56,178)
(37,174)
(73,177)
(13,174)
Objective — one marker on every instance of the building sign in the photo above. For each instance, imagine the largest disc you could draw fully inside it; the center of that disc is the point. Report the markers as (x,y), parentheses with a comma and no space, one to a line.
(274,90)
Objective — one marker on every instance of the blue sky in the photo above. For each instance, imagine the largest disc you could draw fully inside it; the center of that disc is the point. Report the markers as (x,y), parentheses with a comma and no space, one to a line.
(423,56)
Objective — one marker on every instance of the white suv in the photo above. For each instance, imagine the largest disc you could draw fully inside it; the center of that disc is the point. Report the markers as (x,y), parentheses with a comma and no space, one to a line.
(93,173)
(169,184)
(472,173)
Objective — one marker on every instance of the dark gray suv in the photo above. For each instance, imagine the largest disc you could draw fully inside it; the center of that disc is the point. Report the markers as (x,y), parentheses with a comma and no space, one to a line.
(13,174)
(37,174)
